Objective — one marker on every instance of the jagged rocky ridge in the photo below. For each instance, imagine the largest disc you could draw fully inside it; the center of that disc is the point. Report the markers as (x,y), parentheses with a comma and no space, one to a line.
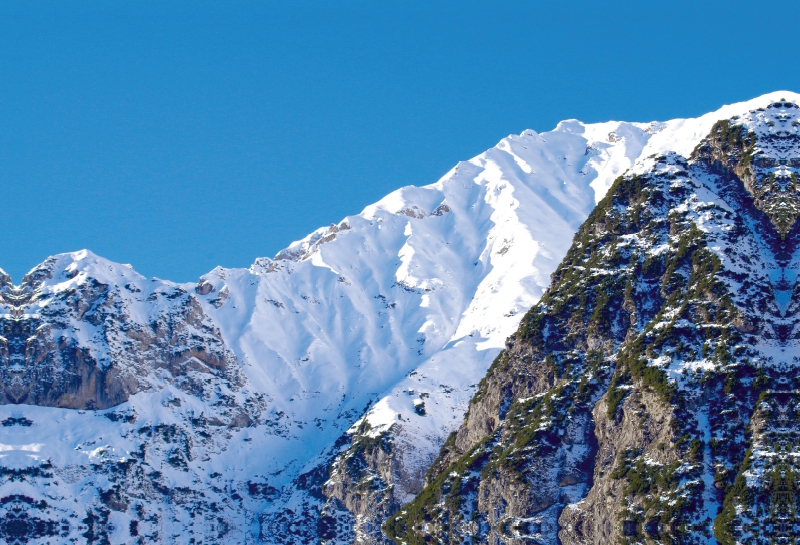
(75,343)
(82,346)
(652,394)
(302,399)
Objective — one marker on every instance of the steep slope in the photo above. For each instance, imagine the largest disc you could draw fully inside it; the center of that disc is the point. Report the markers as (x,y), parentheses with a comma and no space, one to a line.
(651,394)
(325,379)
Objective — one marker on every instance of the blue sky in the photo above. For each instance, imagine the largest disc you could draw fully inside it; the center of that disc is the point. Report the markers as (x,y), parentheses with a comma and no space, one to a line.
(177,136)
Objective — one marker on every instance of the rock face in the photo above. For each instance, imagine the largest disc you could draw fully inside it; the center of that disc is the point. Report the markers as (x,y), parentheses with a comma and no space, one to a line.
(69,340)
(118,396)
(651,394)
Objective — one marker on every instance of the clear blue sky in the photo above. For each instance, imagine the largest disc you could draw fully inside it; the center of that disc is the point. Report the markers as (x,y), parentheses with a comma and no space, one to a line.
(177,136)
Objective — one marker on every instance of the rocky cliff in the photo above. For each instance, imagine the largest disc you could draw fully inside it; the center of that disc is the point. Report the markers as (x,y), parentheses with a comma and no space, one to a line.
(71,340)
(118,393)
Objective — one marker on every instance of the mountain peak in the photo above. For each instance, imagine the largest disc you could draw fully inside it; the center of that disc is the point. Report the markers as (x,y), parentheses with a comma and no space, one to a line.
(762,148)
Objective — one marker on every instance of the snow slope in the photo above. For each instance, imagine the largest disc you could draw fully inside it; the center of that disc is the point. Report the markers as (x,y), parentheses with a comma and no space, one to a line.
(429,281)
(392,315)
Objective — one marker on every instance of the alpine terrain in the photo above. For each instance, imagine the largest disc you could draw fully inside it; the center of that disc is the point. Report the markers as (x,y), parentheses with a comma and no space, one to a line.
(580,336)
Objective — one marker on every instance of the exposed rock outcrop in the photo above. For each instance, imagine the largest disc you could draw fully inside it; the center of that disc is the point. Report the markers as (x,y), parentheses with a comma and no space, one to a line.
(70,340)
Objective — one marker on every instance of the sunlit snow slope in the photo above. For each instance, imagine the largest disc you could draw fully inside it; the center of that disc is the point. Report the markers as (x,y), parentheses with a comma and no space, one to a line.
(429,281)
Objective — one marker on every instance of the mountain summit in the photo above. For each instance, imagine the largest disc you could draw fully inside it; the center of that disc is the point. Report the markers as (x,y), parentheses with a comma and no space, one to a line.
(344,391)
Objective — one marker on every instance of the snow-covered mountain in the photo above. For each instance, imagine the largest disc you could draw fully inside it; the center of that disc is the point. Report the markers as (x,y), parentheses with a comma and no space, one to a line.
(651,396)
(236,408)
